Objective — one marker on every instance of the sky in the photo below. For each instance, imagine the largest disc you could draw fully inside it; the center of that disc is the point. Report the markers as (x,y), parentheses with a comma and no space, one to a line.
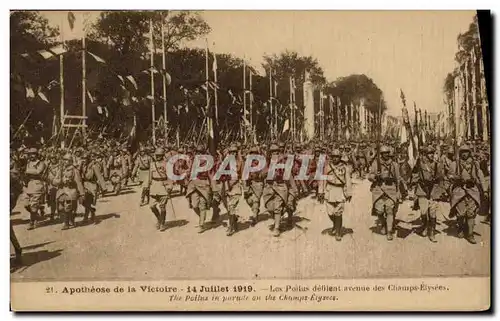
(411,50)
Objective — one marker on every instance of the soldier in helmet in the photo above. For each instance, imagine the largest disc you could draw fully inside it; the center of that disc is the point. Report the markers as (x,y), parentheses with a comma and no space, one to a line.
(141,169)
(275,193)
(117,169)
(70,190)
(182,167)
(385,179)
(128,165)
(336,190)
(92,179)
(199,190)
(160,187)
(467,181)
(253,188)
(427,178)
(53,178)
(35,191)
(232,190)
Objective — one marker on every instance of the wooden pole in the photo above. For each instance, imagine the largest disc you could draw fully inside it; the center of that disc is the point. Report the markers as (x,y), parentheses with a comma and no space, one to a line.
(244,102)
(271,102)
(84,85)
(61,81)
(153,116)
(164,76)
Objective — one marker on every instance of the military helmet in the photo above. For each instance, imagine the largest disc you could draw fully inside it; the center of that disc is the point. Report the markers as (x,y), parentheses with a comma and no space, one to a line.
(385,149)
(159,151)
(465,148)
(254,149)
(233,148)
(67,156)
(32,150)
(336,152)
(274,148)
(200,149)
(431,149)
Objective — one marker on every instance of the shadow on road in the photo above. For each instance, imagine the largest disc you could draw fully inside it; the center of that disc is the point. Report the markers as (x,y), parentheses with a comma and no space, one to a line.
(32,258)
(19,221)
(176,223)
(34,246)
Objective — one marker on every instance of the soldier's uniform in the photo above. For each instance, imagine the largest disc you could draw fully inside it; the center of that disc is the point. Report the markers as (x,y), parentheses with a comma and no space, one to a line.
(232,192)
(275,193)
(446,159)
(160,187)
(199,192)
(118,171)
(92,179)
(16,188)
(253,188)
(128,165)
(70,190)
(35,191)
(427,178)
(336,190)
(141,170)
(182,167)
(53,178)
(467,181)
(385,191)
(361,161)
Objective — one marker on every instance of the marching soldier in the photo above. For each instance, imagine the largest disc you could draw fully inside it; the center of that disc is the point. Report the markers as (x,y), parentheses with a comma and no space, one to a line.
(275,193)
(361,161)
(70,191)
(35,191)
(160,187)
(182,167)
(467,181)
(92,179)
(16,188)
(127,167)
(141,170)
(427,178)
(446,160)
(385,191)
(199,191)
(336,190)
(118,171)
(253,188)
(53,177)
(232,191)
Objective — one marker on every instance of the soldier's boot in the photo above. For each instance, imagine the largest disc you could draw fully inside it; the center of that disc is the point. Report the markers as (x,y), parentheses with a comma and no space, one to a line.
(233,221)
(470,230)
(255,215)
(432,229)
(461,227)
(33,218)
(118,188)
(333,231)
(338,227)
(52,212)
(215,213)
(156,213)
(143,196)
(277,220)
(390,224)
(72,216)
(66,221)
(201,222)
(86,215)
(289,219)
(383,224)
(163,216)
(425,225)
(92,213)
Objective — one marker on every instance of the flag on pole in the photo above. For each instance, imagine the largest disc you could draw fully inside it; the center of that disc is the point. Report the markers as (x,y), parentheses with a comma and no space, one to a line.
(286,126)
(29,92)
(97,58)
(71,20)
(132,80)
(90,97)
(43,97)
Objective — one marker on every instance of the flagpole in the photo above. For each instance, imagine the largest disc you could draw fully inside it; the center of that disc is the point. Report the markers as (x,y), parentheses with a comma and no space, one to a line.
(208,117)
(153,116)
(251,105)
(216,100)
(271,101)
(244,101)
(291,108)
(164,61)
(84,85)
(61,80)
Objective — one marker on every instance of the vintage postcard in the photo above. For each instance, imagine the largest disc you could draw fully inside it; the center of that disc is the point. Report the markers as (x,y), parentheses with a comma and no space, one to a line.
(249,161)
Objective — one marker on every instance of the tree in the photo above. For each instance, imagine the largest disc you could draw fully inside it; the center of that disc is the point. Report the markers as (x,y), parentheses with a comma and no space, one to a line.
(127,31)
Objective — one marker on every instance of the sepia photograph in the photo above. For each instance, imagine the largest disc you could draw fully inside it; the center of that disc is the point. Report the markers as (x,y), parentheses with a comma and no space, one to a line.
(249,160)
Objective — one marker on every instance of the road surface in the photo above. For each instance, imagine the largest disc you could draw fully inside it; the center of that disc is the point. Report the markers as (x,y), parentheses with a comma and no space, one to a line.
(125,245)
